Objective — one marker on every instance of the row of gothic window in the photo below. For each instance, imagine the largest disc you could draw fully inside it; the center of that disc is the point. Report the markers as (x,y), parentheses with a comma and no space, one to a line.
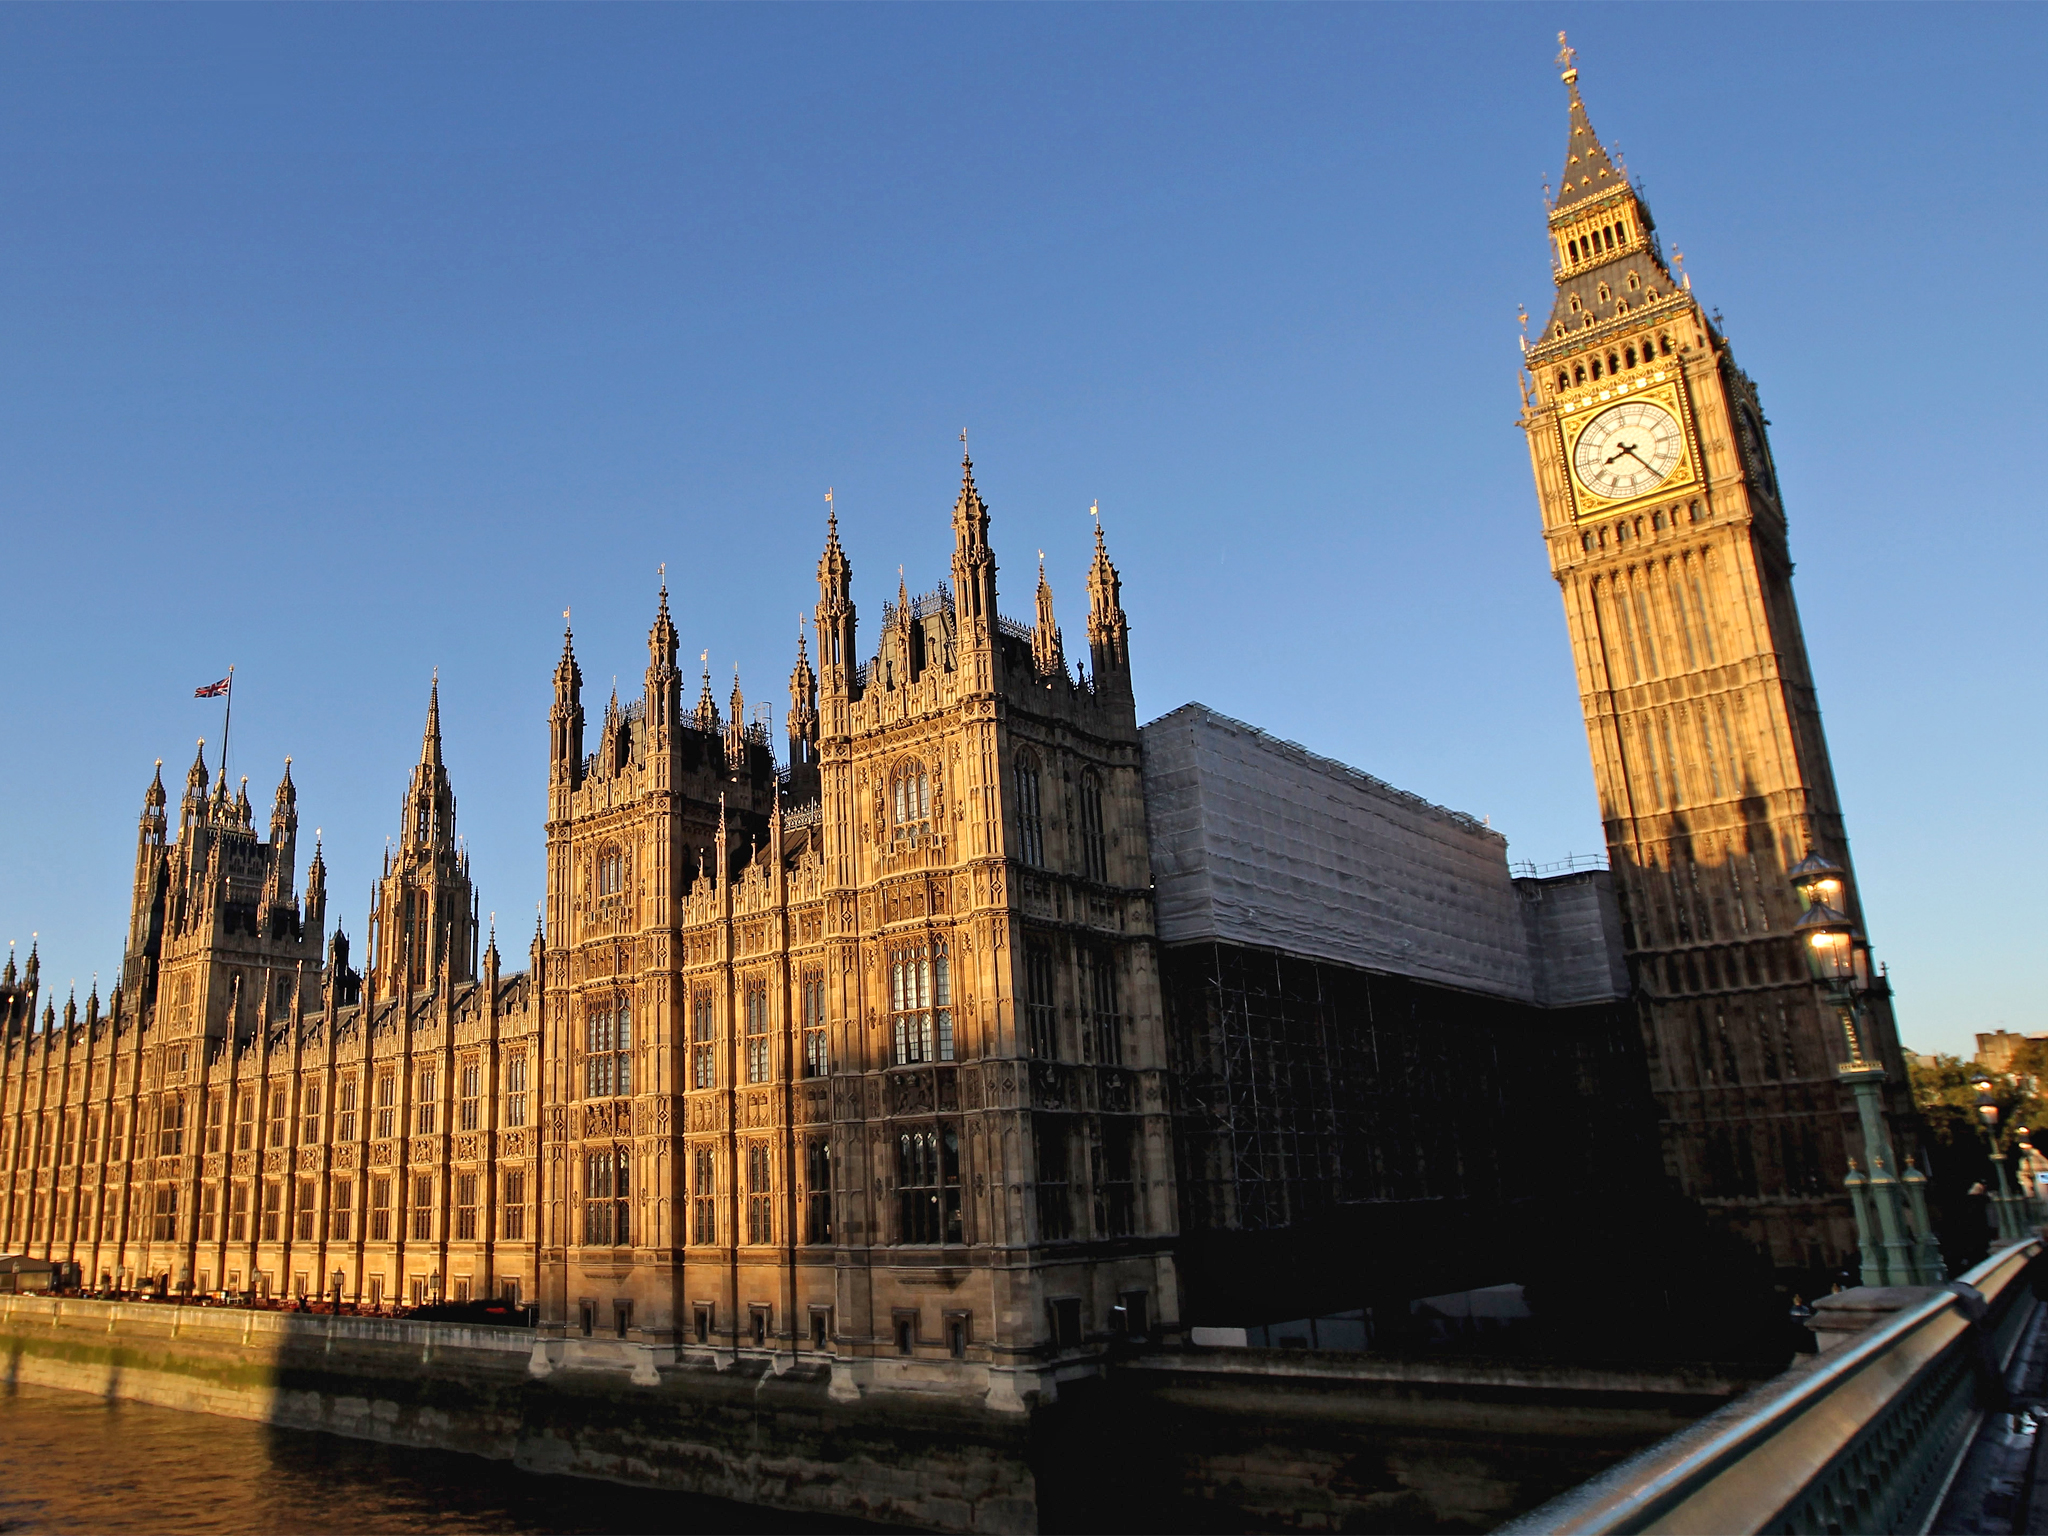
(212,1127)
(1618,360)
(225,1212)
(1624,529)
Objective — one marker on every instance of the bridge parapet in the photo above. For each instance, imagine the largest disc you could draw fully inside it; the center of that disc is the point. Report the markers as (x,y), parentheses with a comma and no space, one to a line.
(1867,1437)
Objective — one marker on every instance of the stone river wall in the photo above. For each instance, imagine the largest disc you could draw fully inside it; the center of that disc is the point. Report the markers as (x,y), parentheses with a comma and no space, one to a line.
(1173,1440)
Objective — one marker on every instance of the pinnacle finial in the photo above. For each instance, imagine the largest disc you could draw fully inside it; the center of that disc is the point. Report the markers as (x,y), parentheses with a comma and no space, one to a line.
(1567,58)
(831,516)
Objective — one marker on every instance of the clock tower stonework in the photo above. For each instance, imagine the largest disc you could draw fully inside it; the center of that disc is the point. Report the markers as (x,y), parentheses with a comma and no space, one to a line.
(1667,538)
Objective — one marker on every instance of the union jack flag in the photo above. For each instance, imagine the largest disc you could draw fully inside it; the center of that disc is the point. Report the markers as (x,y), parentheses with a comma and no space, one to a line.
(212,690)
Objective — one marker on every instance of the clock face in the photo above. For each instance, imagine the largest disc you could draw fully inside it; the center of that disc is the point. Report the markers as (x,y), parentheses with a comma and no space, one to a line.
(1628,450)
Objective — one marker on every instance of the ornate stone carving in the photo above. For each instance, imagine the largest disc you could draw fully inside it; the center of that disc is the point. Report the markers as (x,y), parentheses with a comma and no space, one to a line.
(212,1165)
(345,1155)
(469,1147)
(309,1159)
(910,1093)
(423,1149)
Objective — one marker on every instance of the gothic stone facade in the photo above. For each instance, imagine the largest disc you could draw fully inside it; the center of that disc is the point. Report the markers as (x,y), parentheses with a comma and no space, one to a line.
(862,1058)
(1667,537)
(245,1117)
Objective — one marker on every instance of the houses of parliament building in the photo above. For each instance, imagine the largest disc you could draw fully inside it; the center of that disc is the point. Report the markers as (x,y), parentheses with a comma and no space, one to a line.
(860,1055)
(865,1055)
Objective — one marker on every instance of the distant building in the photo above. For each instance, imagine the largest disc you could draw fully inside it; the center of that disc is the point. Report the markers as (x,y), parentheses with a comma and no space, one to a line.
(2000,1050)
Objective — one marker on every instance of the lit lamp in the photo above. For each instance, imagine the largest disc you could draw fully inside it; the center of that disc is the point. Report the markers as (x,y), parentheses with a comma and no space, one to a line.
(2011,1225)
(1892,1230)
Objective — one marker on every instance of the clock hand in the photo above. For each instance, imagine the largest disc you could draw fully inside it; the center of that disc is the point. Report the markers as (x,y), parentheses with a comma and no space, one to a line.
(1628,448)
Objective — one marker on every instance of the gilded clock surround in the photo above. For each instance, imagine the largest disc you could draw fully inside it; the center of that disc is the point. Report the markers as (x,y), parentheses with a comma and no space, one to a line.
(1659,388)
(1709,759)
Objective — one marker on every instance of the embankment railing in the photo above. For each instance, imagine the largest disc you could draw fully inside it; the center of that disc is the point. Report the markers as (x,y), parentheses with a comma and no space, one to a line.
(1866,1438)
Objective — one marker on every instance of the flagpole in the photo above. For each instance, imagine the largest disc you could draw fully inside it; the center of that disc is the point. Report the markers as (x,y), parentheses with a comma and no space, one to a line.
(225,720)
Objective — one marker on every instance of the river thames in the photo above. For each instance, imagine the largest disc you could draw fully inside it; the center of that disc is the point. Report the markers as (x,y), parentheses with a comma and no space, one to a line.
(71,1462)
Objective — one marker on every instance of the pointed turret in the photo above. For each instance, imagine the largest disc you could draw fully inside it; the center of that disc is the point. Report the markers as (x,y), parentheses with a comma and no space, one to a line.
(1108,632)
(736,728)
(707,707)
(284,809)
(1603,242)
(194,801)
(1588,169)
(1047,654)
(835,613)
(565,719)
(153,798)
(974,563)
(664,683)
(803,708)
(430,738)
(316,889)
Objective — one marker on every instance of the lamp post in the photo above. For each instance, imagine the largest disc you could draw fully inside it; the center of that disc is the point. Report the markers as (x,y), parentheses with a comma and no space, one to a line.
(2011,1227)
(1896,1241)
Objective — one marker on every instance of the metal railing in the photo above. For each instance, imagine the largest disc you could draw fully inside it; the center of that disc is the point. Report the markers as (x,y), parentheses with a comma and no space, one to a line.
(1868,1438)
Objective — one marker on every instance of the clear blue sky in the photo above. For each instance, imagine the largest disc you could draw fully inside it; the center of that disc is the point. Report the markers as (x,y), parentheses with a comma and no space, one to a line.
(345,343)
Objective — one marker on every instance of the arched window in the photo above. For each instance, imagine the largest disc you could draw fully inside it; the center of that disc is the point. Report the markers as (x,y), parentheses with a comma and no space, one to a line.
(1578,373)
(1094,846)
(611,870)
(1564,380)
(757,1031)
(921,1003)
(1613,363)
(607,1047)
(1586,542)
(1596,367)
(606,1181)
(1628,356)
(1030,825)
(1663,346)
(928,1185)
(910,799)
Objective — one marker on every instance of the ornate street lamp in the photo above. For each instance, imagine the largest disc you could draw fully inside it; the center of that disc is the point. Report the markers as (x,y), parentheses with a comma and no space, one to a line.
(1892,1230)
(2011,1226)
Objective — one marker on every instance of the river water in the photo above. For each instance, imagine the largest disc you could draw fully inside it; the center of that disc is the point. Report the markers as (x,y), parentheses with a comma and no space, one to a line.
(70,1462)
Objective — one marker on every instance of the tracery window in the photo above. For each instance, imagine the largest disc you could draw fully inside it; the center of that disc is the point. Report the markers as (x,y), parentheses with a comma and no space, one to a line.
(209,1211)
(345,1110)
(465,1207)
(811,1002)
(1116,1190)
(423,1207)
(515,1205)
(472,1083)
(387,1104)
(341,1198)
(703,1040)
(515,1088)
(608,1047)
(380,1210)
(1030,824)
(1094,847)
(1055,1209)
(164,1228)
(273,1209)
(703,1195)
(309,1114)
(238,1214)
(1040,1016)
(921,1003)
(1102,1028)
(611,870)
(928,1185)
(757,1031)
(305,1213)
(280,1105)
(605,1179)
(910,794)
(426,1101)
(818,1189)
(170,1138)
(760,1199)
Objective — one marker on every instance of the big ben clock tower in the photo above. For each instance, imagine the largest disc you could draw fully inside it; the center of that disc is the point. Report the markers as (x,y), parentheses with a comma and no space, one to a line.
(1667,537)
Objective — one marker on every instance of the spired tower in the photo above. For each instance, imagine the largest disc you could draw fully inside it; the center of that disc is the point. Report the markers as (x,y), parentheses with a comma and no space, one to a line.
(1667,537)
(423,913)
